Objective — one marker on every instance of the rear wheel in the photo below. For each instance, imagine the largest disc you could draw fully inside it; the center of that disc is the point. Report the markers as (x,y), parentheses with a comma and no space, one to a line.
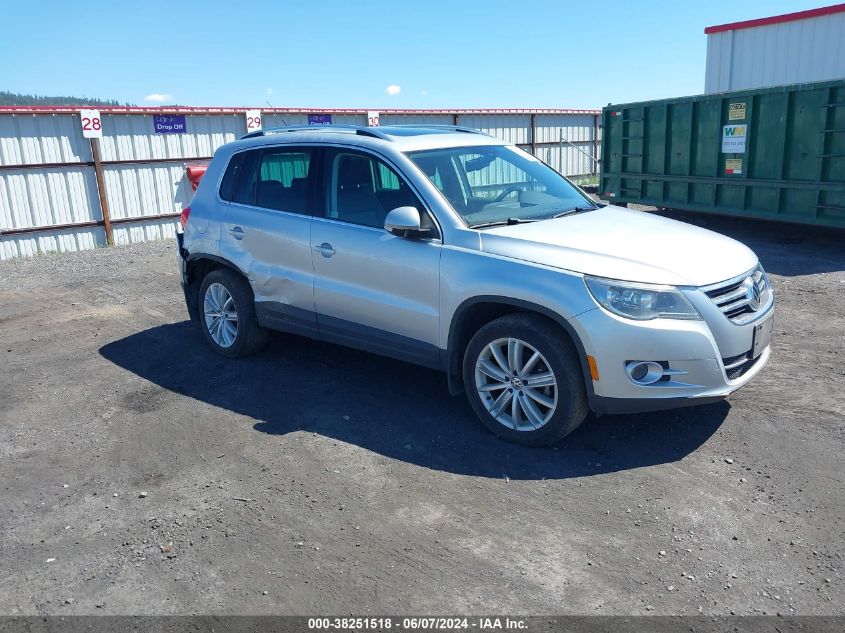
(227,314)
(524,381)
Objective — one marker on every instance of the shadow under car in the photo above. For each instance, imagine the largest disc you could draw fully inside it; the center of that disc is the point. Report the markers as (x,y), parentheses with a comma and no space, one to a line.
(395,409)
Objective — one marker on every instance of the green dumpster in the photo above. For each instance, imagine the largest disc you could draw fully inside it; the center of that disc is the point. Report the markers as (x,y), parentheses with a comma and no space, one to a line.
(774,153)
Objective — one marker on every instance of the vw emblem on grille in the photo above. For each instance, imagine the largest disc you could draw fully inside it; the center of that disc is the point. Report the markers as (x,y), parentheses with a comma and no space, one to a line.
(752,293)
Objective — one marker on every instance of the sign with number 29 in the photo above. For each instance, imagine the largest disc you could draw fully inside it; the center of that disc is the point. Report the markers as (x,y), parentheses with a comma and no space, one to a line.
(253,120)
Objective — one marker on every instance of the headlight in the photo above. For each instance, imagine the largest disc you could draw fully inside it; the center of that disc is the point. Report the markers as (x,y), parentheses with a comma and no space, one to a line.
(640,301)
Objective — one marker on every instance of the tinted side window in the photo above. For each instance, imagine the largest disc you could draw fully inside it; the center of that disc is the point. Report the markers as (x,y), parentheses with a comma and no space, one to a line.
(247,172)
(283,179)
(387,178)
(227,185)
(363,190)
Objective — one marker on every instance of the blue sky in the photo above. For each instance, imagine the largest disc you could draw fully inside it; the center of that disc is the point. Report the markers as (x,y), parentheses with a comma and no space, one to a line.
(363,53)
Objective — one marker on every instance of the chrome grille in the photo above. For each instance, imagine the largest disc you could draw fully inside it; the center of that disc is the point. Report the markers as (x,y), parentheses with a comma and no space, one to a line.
(742,298)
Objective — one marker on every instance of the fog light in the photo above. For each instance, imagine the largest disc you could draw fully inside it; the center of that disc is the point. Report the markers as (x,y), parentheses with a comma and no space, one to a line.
(639,371)
(644,372)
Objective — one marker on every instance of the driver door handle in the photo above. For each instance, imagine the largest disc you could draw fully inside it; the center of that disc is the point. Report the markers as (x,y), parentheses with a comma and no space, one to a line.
(325,249)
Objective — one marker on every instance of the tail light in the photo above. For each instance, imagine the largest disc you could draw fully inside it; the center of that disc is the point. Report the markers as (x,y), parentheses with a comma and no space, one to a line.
(183,218)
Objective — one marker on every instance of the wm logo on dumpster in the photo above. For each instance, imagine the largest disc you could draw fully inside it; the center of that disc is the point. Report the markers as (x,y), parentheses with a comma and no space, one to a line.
(733,138)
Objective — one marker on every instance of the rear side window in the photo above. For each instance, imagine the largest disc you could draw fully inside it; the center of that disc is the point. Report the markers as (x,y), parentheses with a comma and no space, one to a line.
(275,178)
(246,178)
(288,167)
(227,185)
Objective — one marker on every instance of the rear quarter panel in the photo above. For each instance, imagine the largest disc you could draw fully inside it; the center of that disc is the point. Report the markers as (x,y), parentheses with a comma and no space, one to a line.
(202,234)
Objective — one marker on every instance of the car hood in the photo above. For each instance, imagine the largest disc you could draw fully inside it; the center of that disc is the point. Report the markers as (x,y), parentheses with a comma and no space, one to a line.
(623,244)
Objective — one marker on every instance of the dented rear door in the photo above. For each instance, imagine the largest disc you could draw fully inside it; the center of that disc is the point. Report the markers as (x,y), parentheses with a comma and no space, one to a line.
(267,233)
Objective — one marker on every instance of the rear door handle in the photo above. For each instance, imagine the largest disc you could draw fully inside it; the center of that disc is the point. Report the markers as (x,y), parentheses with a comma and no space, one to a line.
(237,232)
(325,249)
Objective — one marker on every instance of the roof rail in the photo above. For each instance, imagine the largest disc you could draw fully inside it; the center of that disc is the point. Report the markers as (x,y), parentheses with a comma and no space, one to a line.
(332,127)
(358,129)
(454,128)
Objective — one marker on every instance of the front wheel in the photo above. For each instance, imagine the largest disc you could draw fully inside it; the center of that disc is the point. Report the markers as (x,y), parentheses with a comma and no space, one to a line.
(227,314)
(524,381)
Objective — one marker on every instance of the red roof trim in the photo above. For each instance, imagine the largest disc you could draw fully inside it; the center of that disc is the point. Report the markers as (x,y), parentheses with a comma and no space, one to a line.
(776,19)
(242,110)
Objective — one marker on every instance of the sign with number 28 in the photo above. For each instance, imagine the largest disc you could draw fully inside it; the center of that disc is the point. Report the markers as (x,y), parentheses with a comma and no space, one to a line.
(92,124)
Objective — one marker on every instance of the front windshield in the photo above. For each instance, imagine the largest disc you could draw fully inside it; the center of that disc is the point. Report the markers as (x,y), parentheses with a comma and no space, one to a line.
(499,184)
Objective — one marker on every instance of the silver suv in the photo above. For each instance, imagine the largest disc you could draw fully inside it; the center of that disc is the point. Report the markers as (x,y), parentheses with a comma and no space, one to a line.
(448,248)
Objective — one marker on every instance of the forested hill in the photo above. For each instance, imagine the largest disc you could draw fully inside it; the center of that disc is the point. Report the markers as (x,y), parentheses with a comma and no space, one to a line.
(13,98)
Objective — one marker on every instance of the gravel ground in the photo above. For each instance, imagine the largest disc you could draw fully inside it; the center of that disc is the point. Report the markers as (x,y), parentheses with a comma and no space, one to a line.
(140,473)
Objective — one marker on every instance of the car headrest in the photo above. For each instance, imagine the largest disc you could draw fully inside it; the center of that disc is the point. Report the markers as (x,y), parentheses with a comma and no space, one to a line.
(354,171)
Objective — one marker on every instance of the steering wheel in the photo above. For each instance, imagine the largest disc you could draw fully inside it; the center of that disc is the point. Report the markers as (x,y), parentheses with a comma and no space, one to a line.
(508,191)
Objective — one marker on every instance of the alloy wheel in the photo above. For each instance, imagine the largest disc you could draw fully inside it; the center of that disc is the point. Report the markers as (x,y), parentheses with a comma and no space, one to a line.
(516,384)
(221,315)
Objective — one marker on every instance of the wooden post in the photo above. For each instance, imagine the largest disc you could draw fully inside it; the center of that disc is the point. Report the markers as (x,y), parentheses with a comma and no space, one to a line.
(101,189)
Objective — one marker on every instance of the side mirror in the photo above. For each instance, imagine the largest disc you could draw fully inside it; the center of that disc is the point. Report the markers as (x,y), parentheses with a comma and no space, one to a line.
(401,220)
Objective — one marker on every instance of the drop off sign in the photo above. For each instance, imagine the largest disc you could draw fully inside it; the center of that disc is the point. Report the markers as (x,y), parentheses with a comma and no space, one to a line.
(733,139)
(169,124)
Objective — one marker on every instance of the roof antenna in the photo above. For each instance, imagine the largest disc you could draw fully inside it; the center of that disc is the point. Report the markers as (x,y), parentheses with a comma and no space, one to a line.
(267,101)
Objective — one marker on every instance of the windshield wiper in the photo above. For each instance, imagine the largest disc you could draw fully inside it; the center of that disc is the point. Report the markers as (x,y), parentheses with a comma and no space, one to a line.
(573,211)
(512,221)
(508,222)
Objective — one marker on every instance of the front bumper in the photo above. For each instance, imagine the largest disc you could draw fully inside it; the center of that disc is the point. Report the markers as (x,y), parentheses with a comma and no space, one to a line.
(619,406)
(687,347)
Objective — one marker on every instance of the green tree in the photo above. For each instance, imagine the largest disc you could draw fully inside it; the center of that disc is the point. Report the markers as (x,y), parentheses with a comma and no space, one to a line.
(17,99)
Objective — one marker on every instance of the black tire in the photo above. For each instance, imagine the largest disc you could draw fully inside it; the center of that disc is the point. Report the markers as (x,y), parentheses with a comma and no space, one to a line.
(559,354)
(250,336)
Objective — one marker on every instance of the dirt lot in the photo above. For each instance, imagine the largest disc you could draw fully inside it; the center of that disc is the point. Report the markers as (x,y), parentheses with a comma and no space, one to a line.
(140,473)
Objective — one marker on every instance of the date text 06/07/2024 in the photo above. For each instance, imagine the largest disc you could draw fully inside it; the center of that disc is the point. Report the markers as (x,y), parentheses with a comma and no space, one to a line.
(417,623)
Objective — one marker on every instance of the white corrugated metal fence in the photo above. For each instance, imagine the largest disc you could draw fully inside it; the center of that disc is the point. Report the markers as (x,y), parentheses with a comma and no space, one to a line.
(49,194)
